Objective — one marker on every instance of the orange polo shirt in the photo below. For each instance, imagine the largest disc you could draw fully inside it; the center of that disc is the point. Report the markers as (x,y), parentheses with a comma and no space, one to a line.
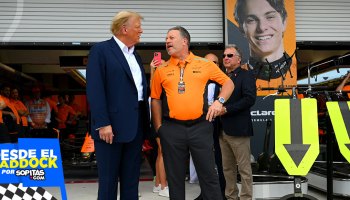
(62,115)
(198,71)
(1,120)
(52,104)
(20,106)
(13,109)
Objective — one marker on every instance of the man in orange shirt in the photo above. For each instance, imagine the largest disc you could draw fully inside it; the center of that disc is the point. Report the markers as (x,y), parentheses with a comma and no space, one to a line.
(64,111)
(181,115)
(10,116)
(47,96)
(4,136)
(22,111)
(73,120)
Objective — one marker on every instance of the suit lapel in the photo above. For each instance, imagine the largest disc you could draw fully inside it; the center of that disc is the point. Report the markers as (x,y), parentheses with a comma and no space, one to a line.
(117,52)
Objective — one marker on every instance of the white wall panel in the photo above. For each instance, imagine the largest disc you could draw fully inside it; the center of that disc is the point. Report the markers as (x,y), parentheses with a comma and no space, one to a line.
(322,20)
(89,20)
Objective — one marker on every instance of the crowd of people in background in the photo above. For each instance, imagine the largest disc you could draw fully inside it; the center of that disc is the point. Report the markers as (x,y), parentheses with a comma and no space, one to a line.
(36,116)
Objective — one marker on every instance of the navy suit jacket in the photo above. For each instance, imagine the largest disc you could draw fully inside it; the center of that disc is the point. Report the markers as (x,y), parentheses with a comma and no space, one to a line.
(237,121)
(112,94)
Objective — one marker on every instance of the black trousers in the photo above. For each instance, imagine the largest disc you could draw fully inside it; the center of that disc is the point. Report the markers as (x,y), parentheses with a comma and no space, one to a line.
(42,133)
(177,140)
(4,134)
(218,156)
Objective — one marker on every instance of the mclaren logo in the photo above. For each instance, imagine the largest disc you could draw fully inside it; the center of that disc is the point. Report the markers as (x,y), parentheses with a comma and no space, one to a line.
(262,113)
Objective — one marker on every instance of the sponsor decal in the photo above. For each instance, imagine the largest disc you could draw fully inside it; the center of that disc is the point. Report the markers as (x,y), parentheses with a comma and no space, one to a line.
(33,163)
(339,113)
(296,134)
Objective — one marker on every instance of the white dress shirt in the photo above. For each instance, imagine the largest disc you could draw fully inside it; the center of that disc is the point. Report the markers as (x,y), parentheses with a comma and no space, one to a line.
(211,90)
(134,66)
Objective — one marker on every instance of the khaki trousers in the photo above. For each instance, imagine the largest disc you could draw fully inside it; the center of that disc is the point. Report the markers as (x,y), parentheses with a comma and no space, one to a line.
(236,152)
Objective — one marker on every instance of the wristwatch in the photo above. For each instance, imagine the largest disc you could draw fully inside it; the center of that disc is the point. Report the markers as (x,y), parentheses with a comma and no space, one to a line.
(221,100)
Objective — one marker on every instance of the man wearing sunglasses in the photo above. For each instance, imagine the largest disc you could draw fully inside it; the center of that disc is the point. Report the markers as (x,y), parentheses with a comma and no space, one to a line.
(237,126)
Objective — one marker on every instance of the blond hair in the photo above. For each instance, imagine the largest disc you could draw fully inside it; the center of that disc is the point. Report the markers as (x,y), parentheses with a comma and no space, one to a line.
(121,19)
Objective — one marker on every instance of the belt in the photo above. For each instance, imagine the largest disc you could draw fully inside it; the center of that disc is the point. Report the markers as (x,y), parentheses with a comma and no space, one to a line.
(186,122)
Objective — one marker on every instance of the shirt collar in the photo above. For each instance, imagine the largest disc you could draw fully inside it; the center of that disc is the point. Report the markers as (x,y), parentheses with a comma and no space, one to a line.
(234,72)
(123,47)
(188,59)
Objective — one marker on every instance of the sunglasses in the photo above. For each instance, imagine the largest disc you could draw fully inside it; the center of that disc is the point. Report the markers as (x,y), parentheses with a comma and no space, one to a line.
(230,55)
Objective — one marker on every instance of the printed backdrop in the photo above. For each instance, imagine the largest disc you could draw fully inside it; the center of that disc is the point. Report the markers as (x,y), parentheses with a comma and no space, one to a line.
(234,35)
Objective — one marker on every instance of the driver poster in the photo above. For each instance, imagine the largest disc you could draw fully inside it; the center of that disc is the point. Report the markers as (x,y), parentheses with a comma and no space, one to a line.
(265,32)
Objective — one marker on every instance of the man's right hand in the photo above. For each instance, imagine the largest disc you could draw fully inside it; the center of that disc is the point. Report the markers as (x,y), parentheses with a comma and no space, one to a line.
(106,134)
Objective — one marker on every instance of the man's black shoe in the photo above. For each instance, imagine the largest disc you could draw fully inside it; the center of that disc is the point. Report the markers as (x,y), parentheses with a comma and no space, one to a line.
(199,197)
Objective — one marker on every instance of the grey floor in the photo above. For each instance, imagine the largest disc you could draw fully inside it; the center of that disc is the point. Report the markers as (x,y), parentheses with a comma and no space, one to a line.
(88,191)
(81,183)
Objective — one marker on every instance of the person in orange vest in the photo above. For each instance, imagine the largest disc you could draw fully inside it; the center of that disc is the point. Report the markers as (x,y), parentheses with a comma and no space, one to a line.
(10,116)
(22,111)
(64,111)
(182,117)
(73,120)
(47,96)
(4,136)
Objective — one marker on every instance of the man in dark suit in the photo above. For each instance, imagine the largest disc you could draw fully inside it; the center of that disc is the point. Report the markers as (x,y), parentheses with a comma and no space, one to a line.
(237,126)
(117,95)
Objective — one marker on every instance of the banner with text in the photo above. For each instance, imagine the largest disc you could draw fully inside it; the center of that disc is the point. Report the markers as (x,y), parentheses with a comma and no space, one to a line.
(32,162)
